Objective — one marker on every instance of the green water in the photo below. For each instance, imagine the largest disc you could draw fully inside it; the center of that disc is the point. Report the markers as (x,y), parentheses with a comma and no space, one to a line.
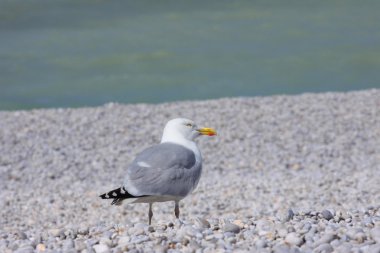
(85,53)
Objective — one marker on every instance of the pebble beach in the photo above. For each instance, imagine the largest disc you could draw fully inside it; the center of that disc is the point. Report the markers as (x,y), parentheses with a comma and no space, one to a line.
(285,174)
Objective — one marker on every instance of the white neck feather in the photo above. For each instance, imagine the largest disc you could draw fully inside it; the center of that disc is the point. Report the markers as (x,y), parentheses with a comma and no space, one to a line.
(180,140)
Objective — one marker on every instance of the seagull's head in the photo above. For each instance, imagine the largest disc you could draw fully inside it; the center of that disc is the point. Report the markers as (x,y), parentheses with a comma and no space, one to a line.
(184,128)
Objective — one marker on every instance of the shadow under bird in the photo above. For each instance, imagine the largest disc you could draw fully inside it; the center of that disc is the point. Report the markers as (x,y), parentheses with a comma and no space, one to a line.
(168,171)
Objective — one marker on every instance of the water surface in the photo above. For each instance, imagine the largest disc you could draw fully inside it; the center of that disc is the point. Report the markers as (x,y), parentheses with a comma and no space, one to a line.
(67,53)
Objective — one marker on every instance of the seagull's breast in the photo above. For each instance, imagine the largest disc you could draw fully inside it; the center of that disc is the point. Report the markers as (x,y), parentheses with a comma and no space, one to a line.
(197,167)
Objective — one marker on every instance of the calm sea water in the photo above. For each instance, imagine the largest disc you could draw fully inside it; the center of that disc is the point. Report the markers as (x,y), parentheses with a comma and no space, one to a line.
(69,53)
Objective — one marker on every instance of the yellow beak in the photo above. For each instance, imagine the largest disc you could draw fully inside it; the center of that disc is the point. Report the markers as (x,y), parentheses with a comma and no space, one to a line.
(207,131)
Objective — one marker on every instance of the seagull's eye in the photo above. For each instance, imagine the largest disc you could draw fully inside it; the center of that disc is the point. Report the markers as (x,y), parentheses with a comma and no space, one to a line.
(189,125)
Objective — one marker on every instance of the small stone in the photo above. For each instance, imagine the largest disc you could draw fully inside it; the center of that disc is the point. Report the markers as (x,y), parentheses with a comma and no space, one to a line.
(55,232)
(218,235)
(161,227)
(202,223)
(21,235)
(375,234)
(232,240)
(107,234)
(101,248)
(137,231)
(208,231)
(185,241)
(106,241)
(140,225)
(229,234)
(150,229)
(160,249)
(41,247)
(239,223)
(199,235)
(326,238)
(194,245)
(70,233)
(305,228)
(368,222)
(360,237)
(281,248)
(92,241)
(324,248)
(27,249)
(261,243)
(189,231)
(335,243)
(141,239)
(326,214)
(265,227)
(287,215)
(351,233)
(282,232)
(343,248)
(36,239)
(79,245)
(296,166)
(68,244)
(216,227)
(232,228)
(375,248)
(209,237)
(293,239)
(83,230)
(124,240)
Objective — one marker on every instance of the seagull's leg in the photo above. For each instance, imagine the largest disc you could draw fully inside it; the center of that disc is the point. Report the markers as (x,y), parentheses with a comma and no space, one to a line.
(150,213)
(176,209)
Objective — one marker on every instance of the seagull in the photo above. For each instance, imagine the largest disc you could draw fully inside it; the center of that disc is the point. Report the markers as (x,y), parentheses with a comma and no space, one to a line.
(168,171)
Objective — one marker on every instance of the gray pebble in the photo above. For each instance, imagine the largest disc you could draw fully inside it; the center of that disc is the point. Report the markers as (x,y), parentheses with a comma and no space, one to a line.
(326,238)
(83,230)
(287,215)
(293,239)
(160,249)
(21,235)
(360,237)
(202,223)
(105,240)
(56,232)
(281,249)
(261,243)
(150,229)
(375,248)
(140,239)
(101,248)
(68,244)
(123,240)
(70,233)
(375,234)
(326,214)
(27,249)
(232,228)
(343,248)
(79,244)
(324,248)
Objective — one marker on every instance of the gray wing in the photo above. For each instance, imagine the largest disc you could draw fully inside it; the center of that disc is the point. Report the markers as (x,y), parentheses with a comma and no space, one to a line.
(163,169)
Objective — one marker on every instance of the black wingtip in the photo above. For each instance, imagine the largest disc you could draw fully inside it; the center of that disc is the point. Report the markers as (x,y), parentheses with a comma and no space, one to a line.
(104,196)
(118,195)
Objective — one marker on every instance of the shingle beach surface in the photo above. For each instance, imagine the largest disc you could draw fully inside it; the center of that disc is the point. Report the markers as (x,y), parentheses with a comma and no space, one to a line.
(285,174)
